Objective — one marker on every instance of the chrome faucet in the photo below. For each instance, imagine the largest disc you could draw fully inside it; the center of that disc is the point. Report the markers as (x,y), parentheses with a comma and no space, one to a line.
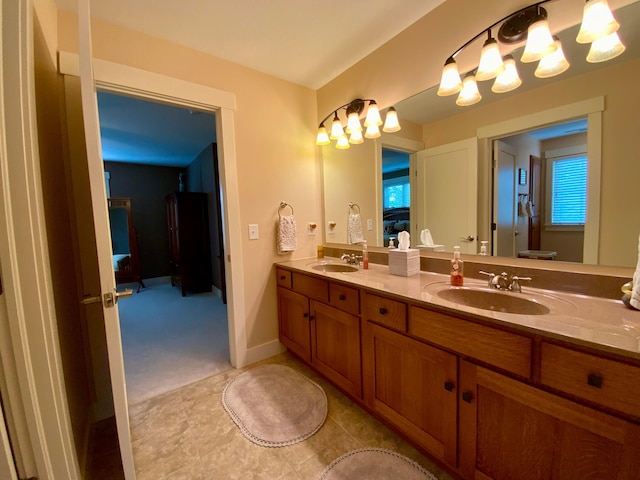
(504,281)
(352,259)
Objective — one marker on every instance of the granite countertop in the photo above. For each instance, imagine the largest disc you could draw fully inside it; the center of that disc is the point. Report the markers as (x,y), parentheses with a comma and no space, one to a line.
(595,322)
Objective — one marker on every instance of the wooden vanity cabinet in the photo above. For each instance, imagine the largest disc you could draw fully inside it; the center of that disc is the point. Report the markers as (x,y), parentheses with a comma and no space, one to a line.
(325,336)
(414,387)
(509,429)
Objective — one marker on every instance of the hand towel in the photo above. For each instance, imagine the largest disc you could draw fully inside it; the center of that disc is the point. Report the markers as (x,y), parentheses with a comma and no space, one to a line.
(354,228)
(287,240)
(528,208)
(521,209)
(635,291)
(426,239)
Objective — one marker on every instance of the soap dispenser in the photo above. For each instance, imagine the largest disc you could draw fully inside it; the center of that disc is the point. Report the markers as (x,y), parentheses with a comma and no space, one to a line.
(483,247)
(365,255)
(457,268)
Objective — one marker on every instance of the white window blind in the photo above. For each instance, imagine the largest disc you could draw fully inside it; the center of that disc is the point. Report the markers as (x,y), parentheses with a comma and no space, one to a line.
(396,193)
(568,190)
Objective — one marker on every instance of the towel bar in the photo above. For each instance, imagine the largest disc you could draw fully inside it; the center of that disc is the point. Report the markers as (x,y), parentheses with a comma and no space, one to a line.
(282,206)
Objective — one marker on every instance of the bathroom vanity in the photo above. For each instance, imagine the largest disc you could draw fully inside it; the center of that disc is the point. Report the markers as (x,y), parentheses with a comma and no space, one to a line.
(552,392)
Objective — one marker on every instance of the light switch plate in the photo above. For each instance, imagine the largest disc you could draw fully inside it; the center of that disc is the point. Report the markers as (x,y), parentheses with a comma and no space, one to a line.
(369,224)
(253,231)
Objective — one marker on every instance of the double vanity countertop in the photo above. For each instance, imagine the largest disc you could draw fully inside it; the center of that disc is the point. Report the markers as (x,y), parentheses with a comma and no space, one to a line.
(595,322)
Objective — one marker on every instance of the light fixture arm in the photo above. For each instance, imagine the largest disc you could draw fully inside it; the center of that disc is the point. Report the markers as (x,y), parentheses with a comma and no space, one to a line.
(355,105)
(488,29)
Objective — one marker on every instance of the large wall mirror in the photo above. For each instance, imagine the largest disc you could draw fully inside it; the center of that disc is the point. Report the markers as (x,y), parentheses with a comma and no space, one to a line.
(124,242)
(588,112)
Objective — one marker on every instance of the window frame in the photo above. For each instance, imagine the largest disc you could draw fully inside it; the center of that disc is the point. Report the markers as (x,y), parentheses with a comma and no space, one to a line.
(552,156)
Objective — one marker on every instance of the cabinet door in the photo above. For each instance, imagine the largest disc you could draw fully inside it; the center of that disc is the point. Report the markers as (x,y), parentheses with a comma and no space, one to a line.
(293,323)
(512,430)
(336,346)
(413,385)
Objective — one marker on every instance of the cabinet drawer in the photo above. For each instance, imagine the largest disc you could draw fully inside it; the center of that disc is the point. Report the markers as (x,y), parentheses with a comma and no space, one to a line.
(505,350)
(283,278)
(607,382)
(385,311)
(312,287)
(344,298)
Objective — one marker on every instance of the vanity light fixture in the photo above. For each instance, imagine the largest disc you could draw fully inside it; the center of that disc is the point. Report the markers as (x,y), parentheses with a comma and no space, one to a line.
(530,23)
(353,129)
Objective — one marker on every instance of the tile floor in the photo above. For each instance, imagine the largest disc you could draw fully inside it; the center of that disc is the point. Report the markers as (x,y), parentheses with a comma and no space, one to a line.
(186,434)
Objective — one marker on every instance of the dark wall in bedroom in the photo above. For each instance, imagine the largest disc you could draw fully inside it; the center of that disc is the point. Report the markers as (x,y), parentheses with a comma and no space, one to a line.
(147,186)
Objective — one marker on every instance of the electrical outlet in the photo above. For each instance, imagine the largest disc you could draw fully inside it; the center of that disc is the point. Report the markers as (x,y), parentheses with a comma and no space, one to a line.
(253,231)
(312,228)
(369,224)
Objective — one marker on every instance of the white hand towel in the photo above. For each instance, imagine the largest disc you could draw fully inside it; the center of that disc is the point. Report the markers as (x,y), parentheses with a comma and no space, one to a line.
(529,209)
(521,209)
(287,239)
(354,228)
(426,239)
(635,291)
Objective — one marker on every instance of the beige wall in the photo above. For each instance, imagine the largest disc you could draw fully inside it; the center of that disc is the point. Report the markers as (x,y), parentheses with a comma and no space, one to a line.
(275,126)
(412,62)
(58,223)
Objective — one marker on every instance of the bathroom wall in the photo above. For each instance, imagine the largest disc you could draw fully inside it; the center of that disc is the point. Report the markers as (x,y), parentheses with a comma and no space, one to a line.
(404,66)
(273,164)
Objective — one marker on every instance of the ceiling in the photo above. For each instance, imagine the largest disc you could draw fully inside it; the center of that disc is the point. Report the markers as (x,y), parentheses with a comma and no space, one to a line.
(303,41)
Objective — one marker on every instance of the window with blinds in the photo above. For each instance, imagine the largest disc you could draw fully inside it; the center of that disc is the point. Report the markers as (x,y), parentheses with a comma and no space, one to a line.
(396,193)
(569,191)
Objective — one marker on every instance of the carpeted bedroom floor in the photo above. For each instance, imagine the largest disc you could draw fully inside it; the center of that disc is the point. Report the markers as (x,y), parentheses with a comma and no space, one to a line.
(170,341)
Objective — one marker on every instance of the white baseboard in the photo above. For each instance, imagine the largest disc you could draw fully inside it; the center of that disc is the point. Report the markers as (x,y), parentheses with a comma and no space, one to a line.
(263,351)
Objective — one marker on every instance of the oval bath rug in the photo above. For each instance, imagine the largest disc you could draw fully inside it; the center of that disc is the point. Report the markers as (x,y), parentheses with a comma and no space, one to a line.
(275,406)
(375,464)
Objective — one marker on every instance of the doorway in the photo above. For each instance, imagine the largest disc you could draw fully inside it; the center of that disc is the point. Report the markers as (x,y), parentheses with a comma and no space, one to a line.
(170,336)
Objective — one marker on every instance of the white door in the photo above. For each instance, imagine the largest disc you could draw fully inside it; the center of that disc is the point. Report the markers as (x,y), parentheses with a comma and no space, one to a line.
(447,181)
(504,199)
(103,239)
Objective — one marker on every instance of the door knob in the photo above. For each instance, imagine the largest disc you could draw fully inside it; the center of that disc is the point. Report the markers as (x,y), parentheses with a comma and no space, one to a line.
(468,238)
(108,299)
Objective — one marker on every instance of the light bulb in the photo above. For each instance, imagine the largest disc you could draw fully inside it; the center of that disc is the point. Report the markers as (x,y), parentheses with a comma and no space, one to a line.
(343,142)
(353,123)
(553,63)
(372,131)
(356,137)
(373,115)
(336,128)
(323,136)
(490,61)
(450,82)
(391,123)
(605,48)
(539,41)
(469,93)
(597,22)
(509,79)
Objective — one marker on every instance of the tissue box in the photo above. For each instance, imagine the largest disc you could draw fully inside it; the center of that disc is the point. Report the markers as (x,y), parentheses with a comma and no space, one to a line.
(404,262)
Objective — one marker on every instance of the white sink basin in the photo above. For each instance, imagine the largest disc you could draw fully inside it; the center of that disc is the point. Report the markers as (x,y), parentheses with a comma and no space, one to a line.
(494,300)
(335,267)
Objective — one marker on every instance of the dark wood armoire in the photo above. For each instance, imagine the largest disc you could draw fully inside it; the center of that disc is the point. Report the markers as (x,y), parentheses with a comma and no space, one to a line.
(189,250)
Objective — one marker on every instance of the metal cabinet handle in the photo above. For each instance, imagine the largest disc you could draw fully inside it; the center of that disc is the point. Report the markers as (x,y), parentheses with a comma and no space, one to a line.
(594,380)
(305,315)
(448,386)
(467,397)
(383,311)
(342,296)
(282,277)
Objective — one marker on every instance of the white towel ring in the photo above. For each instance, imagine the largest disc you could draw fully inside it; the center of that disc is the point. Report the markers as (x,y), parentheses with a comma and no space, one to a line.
(354,206)
(282,206)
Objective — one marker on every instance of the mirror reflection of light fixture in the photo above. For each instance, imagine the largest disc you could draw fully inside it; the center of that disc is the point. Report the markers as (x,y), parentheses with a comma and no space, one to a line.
(469,93)
(530,23)
(354,128)
(552,64)
(509,79)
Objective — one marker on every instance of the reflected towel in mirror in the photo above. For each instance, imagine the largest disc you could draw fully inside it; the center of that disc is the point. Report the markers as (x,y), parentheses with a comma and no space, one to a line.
(354,228)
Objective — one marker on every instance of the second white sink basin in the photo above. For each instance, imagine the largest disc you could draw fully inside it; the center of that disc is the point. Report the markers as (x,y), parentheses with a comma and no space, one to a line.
(494,300)
(335,267)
